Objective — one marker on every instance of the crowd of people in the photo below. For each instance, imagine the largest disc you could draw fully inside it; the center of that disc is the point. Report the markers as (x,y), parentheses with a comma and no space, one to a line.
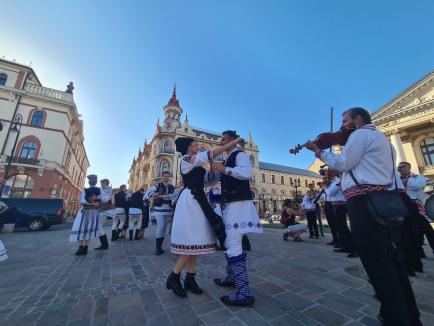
(198,224)
(374,212)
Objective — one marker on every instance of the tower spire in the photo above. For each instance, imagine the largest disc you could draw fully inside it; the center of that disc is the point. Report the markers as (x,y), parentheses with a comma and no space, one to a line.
(173,100)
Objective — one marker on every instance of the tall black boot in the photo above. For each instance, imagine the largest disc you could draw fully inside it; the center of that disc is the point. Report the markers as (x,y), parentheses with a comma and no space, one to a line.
(85,250)
(191,285)
(174,283)
(246,243)
(136,235)
(104,243)
(79,252)
(158,244)
(130,232)
(114,237)
(118,232)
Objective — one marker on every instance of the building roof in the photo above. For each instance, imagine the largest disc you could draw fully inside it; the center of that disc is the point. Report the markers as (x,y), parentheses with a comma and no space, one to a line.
(213,134)
(287,169)
(23,66)
(173,101)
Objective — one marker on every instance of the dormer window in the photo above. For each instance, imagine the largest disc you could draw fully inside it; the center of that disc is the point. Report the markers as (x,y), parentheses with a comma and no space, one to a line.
(3,79)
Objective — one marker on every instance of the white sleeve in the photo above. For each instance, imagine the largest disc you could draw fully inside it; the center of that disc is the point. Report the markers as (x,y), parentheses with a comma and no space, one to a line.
(334,188)
(243,168)
(417,183)
(188,162)
(83,198)
(150,191)
(351,154)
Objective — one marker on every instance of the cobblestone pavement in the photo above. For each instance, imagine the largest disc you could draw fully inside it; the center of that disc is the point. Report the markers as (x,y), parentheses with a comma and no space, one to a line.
(43,283)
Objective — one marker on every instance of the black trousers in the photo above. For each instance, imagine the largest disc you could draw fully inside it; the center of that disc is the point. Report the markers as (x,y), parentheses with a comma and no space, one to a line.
(344,233)
(424,228)
(145,217)
(377,247)
(329,215)
(319,219)
(311,223)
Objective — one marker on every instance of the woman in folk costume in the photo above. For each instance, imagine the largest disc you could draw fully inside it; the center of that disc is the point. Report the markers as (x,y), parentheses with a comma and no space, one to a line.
(86,223)
(195,224)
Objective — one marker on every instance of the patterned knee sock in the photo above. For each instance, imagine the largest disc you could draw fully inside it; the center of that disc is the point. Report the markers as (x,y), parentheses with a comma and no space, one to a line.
(240,276)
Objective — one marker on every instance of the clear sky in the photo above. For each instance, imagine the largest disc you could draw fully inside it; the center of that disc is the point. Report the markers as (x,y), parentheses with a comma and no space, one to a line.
(272,68)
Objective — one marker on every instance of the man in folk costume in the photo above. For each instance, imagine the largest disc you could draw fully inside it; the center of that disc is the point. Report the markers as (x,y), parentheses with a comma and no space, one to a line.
(135,214)
(86,223)
(104,211)
(367,163)
(121,207)
(240,217)
(161,197)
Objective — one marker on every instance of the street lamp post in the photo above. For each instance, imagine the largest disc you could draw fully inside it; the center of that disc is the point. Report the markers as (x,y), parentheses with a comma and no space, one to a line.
(296,185)
(16,128)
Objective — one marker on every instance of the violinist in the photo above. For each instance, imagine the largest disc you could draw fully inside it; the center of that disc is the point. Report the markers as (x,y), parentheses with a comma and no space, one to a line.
(368,158)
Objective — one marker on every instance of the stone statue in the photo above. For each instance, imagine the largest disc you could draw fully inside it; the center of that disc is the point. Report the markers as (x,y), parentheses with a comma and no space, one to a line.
(70,88)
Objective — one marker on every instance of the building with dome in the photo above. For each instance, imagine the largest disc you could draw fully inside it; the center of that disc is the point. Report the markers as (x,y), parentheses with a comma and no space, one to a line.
(271,183)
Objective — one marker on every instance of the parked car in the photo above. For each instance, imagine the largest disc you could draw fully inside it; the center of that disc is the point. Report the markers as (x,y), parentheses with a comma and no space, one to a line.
(35,214)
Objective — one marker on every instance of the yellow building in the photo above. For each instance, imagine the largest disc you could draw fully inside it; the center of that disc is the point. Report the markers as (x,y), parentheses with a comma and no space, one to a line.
(408,120)
(271,183)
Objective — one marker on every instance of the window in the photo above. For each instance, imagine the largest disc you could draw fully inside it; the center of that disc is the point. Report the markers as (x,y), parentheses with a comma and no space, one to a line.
(166,146)
(164,167)
(3,79)
(290,181)
(282,180)
(305,181)
(273,179)
(28,150)
(18,186)
(37,118)
(252,160)
(427,148)
(263,177)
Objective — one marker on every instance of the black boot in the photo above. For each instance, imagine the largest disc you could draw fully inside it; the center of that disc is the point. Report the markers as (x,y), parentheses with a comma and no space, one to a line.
(104,243)
(79,252)
(114,237)
(85,250)
(191,285)
(130,232)
(246,243)
(174,283)
(136,235)
(118,232)
(158,244)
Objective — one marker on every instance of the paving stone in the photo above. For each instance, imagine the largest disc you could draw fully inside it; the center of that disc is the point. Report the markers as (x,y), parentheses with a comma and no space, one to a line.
(285,320)
(290,300)
(183,315)
(345,310)
(250,317)
(326,316)
(216,317)
(207,307)
(159,320)
(369,321)
(269,288)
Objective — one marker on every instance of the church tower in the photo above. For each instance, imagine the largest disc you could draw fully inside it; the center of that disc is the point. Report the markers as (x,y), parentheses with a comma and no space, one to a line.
(172,113)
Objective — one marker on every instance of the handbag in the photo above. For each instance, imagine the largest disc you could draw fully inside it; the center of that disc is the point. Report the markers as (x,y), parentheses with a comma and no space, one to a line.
(387,207)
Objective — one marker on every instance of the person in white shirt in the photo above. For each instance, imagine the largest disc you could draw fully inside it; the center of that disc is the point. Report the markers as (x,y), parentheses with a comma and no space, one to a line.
(309,206)
(340,210)
(105,211)
(368,157)
(413,184)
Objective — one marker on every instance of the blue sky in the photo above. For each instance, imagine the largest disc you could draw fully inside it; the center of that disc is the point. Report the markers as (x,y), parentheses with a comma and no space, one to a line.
(272,68)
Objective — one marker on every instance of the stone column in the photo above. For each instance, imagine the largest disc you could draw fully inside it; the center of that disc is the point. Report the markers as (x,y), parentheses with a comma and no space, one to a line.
(395,139)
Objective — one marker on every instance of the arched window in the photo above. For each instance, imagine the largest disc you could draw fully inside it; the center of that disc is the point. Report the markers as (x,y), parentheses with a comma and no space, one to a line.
(166,146)
(252,160)
(37,118)
(427,148)
(28,150)
(3,79)
(18,186)
(273,180)
(164,167)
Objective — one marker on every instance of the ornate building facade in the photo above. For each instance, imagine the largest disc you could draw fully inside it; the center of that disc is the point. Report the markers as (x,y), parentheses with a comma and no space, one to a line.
(271,183)
(408,120)
(46,150)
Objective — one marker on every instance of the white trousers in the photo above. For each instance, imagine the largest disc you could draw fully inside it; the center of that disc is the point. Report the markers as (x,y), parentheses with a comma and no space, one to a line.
(132,225)
(234,244)
(119,218)
(163,222)
(102,220)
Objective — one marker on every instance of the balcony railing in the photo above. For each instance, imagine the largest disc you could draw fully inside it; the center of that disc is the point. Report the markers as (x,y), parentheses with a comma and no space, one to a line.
(21,160)
(48,93)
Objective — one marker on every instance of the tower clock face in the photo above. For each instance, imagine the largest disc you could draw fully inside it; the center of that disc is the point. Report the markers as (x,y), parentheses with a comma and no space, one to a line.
(169,126)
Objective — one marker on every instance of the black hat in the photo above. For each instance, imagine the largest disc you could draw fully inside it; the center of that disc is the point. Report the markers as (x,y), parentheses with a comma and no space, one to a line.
(231,133)
(182,144)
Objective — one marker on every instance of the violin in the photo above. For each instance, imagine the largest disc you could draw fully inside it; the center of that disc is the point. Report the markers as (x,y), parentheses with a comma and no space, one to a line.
(328,139)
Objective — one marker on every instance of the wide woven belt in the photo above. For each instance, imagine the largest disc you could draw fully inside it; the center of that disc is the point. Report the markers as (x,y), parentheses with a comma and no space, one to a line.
(361,190)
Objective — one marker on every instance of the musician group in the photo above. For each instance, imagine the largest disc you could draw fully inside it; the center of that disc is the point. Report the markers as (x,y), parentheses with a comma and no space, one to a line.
(387,238)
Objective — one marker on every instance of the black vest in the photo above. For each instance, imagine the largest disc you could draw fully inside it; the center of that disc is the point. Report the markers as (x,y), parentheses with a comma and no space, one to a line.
(234,189)
(121,199)
(91,191)
(136,200)
(194,180)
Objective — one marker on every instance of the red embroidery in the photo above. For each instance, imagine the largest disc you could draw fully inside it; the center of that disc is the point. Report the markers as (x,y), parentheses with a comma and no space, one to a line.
(357,191)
